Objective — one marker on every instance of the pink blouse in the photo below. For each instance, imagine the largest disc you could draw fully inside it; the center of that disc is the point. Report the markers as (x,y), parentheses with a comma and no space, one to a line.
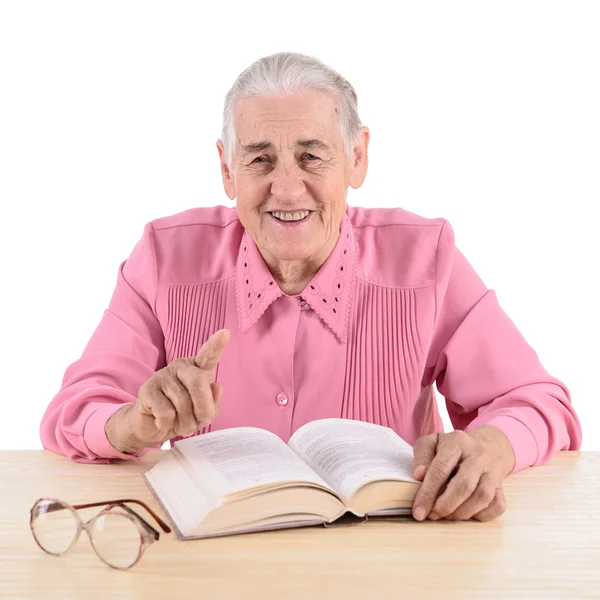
(395,309)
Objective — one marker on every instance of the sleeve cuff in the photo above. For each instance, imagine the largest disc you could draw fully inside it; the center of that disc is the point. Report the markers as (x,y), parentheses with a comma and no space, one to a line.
(519,435)
(95,438)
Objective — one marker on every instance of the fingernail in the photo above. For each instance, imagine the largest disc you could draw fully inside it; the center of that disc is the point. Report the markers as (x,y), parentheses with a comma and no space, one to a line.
(204,424)
(420,471)
(419,513)
(434,516)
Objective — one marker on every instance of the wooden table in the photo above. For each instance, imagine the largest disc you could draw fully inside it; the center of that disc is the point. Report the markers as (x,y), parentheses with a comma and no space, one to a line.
(547,545)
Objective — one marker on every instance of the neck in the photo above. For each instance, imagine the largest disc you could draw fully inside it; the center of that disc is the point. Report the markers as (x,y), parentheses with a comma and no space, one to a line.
(292,276)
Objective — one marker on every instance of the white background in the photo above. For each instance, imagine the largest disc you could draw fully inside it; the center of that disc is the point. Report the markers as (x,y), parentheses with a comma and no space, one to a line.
(485,113)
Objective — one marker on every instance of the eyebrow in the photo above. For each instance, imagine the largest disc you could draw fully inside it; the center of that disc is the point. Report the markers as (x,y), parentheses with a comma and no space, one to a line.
(256,147)
(253,148)
(314,143)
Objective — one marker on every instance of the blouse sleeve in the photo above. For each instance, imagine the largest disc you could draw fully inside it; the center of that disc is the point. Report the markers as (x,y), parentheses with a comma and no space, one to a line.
(487,371)
(125,350)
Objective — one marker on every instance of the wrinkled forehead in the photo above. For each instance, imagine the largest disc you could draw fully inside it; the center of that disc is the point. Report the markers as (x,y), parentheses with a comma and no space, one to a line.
(284,120)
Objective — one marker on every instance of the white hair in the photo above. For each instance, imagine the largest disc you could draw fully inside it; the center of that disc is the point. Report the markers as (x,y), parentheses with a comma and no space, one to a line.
(285,72)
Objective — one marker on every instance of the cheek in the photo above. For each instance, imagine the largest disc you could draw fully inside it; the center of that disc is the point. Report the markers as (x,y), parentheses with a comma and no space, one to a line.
(332,191)
(333,200)
(249,198)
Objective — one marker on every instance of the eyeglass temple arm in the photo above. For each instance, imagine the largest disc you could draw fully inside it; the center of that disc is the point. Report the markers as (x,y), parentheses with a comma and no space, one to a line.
(163,525)
(143,521)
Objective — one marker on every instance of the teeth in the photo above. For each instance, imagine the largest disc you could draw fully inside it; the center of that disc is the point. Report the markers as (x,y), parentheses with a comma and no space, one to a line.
(291,216)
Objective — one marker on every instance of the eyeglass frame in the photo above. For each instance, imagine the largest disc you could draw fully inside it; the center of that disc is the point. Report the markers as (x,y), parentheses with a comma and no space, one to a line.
(148,534)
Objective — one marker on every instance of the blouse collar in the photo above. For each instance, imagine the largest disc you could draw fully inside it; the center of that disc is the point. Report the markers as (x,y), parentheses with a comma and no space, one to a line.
(329,293)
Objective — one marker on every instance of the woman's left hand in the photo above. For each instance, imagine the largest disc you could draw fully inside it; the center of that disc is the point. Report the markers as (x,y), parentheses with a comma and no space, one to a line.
(471,466)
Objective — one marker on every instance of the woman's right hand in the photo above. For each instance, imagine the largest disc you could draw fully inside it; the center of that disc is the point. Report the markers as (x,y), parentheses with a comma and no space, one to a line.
(176,401)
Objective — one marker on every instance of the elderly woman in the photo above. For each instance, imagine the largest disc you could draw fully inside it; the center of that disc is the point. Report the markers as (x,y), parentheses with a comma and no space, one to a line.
(294,307)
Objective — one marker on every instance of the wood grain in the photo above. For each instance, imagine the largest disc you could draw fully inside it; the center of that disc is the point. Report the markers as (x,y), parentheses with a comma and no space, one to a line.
(547,544)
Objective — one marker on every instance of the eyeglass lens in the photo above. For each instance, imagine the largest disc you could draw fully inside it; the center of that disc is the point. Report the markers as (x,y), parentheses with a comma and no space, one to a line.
(54,526)
(114,535)
(116,539)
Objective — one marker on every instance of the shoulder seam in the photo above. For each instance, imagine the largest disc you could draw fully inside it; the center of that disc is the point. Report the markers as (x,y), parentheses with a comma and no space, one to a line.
(220,226)
(396,287)
(180,283)
(399,225)
(155,267)
(437,264)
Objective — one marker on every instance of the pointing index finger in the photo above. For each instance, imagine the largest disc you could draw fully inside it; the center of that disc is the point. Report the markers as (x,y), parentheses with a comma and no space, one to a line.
(210,354)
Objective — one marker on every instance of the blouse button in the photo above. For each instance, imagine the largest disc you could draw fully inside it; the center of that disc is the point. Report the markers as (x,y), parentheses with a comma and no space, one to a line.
(282,399)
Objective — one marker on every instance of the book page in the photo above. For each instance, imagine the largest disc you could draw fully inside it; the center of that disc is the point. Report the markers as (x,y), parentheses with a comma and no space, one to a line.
(178,495)
(231,460)
(348,454)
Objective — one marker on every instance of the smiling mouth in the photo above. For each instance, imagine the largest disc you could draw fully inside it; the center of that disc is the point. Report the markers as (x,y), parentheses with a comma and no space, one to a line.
(298,215)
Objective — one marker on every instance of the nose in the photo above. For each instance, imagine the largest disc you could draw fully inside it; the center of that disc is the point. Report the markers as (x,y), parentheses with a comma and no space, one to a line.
(288,184)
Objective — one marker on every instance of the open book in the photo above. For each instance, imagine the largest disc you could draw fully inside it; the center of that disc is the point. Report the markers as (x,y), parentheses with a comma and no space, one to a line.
(247,479)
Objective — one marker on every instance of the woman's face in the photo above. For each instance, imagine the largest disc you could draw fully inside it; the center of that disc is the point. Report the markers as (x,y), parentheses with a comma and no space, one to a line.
(290,174)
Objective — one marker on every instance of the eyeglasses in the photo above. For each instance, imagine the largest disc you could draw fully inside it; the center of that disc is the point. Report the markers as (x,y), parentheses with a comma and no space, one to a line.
(118,534)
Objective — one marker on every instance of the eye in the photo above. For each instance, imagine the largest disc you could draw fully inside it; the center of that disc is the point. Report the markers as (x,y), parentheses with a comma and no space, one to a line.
(259,160)
(310,157)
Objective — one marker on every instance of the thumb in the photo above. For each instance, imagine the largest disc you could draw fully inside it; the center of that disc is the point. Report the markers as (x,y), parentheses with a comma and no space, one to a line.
(210,353)
(424,452)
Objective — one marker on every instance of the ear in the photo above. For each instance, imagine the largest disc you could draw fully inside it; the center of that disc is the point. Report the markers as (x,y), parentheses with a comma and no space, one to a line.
(360,158)
(228,181)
